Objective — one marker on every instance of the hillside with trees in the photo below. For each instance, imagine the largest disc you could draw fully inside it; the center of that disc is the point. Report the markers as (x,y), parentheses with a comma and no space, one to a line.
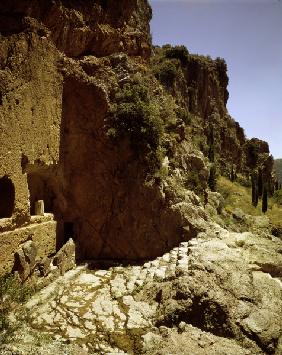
(278,169)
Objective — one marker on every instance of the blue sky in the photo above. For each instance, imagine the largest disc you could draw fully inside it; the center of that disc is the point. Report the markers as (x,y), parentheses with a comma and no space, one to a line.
(248,35)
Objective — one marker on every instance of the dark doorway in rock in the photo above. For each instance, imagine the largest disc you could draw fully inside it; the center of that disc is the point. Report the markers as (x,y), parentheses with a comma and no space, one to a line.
(40,189)
(68,231)
(7,197)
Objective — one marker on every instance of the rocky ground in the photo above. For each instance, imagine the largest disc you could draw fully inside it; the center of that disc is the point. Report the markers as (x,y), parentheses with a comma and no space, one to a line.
(220,293)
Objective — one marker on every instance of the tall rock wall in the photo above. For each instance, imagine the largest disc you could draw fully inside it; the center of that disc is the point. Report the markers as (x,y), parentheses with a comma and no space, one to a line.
(54,143)
(63,66)
(78,28)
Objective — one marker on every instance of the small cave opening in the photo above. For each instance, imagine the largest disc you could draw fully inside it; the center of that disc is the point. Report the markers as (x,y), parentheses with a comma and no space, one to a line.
(40,188)
(7,197)
(68,231)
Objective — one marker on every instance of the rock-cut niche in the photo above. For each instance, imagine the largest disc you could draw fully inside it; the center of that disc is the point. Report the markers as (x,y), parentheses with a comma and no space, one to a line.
(40,189)
(7,197)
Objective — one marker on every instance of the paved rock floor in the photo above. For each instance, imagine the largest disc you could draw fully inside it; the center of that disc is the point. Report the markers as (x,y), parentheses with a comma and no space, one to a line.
(100,310)
(96,308)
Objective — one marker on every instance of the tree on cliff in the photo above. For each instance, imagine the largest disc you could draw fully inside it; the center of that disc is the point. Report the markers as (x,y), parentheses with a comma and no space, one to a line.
(212,178)
(264,198)
(254,189)
(278,169)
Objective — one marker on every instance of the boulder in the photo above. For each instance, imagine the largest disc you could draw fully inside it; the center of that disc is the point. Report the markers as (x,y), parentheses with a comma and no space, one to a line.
(65,258)
(25,259)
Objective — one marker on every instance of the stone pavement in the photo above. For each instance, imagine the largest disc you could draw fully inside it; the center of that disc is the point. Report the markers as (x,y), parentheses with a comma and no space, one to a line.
(95,308)
(102,311)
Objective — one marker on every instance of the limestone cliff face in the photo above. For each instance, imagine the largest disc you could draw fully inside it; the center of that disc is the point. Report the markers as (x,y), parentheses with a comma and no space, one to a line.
(54,143)
(200,86)
(116,214)
(30,115)
(63,64)
(30,108)
(80,28)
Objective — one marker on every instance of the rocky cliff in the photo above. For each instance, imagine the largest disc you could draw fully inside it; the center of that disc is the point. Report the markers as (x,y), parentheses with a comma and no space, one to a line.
(117,140)
(63,66)
(56,146)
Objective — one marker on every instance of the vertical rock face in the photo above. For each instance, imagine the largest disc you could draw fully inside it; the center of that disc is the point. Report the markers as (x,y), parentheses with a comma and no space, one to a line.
(62,64)
(200,86)
(30,110)
(85,27)
(116,214)
(54,145)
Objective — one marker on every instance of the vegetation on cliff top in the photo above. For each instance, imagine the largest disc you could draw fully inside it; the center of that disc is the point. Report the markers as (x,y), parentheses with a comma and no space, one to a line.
(278,169)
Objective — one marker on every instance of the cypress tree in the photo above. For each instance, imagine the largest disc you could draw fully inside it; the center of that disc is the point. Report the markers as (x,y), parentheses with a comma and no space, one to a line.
(264,199)
(257,197)
(211,146)
(232,175)
(212,178)
(211,153)
(254,189)
(260,183)
(271,187)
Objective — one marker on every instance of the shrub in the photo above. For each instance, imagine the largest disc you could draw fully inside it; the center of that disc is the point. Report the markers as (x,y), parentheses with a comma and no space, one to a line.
(193,182)
(178,52)
(166,72)
(184,115)
(277,197)
(212,178)
(136,116)
(244,181)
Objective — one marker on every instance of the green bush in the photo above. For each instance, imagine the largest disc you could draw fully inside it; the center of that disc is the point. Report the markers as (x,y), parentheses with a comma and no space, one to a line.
(277,197)
(178,52)
(244,181)
(193,182)
(166,72)
(136,116)
(184,115)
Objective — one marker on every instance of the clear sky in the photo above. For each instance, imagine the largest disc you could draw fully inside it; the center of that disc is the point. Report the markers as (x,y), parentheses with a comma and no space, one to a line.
(248,35)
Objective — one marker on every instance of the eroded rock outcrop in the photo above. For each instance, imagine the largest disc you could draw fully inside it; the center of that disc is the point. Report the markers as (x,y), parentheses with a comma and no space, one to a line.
(81,28)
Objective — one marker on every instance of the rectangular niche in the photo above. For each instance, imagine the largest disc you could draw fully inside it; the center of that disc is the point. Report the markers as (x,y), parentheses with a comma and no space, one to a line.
(40,189)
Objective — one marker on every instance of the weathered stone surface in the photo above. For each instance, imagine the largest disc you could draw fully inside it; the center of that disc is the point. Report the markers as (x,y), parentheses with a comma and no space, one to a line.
(39,208)
(244,303)
(215,202)
(42,234)
(25,259)
(204,296)
(84,28)
(44,266)
(65,257)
